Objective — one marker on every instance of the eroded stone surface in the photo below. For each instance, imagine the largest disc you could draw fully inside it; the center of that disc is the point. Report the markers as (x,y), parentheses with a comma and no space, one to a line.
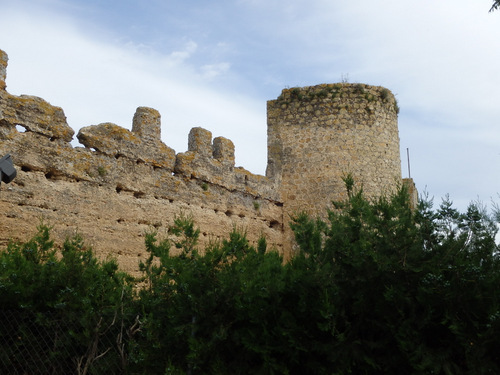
(124,183)
(115,141)
(147,124)
(35,115)
(318,135)
(3,69)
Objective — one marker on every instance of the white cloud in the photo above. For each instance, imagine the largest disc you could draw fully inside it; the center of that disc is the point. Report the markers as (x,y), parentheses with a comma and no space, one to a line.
(179,57)
(211,71)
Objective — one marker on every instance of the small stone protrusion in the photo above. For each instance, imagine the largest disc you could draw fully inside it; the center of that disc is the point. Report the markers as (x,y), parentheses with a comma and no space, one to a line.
(109,139)
(38,116)
(224,151)
(412,192)
(147,123)
(200,141)
(113,140)
(3,69)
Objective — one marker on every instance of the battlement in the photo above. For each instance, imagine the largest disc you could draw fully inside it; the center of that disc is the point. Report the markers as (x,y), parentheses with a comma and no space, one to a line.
(107,146)
(121,183)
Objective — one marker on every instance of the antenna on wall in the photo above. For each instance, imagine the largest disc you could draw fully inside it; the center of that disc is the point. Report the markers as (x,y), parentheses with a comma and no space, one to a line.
(408,156)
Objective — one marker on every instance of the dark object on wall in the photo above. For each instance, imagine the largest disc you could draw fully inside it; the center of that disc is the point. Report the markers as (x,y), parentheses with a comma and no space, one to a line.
(7,170)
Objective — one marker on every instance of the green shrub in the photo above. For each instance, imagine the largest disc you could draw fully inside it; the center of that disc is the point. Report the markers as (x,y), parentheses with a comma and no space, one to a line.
(377,288)
(423,283)
(70,302)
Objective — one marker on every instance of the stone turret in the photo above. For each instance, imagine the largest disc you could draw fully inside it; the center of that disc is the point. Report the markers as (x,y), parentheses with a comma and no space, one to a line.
(317,135)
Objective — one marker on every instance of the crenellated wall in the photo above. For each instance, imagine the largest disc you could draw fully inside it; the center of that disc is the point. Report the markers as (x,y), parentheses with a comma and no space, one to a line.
(120,183)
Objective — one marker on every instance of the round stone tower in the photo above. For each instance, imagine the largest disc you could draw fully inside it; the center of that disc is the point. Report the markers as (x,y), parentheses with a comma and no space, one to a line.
(319,134)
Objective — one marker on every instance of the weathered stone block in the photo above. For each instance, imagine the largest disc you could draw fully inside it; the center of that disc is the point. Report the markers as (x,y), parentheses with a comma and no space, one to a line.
(200,141)
(223,150)
(113,140)
(35,115)
(147,124)
(3,69)
(110,139)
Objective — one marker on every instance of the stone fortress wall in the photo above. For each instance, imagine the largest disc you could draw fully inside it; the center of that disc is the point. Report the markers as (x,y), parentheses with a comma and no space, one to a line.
(122,183)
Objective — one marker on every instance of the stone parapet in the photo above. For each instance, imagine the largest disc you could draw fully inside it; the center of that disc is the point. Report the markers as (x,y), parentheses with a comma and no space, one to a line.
(45,145)
(123,183)
(119,186)
(117,142)
(213,162)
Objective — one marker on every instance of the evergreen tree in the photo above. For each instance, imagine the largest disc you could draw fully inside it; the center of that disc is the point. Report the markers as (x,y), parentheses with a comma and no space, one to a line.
(65,309)
(376,288)
(410,291)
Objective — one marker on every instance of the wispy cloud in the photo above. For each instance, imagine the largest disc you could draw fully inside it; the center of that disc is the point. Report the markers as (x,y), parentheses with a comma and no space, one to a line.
(179,57)
(213,70)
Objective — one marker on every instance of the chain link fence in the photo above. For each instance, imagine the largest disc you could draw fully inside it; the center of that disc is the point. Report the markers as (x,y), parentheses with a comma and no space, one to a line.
(46,343)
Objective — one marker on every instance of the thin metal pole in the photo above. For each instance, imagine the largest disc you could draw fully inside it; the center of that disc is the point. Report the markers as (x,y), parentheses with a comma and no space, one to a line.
(408,156)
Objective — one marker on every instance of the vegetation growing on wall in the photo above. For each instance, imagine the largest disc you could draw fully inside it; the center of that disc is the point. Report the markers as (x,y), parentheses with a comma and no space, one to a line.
(332,91)
(377,288)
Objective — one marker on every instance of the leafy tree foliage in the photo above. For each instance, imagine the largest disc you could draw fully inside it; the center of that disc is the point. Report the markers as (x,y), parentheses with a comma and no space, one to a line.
(495,6)
(215,312)
(409,292)
(376,288)
(61,304)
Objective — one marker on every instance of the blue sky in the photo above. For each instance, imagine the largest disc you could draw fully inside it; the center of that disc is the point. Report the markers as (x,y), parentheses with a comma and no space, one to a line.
(215,64)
